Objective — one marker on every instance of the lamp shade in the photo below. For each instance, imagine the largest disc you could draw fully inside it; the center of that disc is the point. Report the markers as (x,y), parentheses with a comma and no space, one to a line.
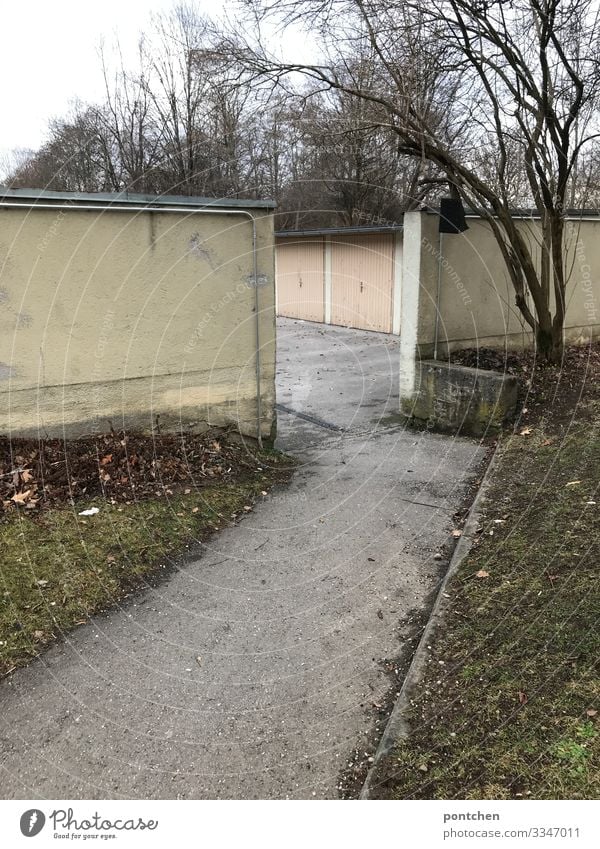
(452,216)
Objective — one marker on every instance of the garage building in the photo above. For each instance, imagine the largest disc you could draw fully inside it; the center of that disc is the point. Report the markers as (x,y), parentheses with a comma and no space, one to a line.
(349,276)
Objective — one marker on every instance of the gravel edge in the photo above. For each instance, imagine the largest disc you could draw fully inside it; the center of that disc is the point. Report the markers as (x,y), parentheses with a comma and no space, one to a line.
(397,727)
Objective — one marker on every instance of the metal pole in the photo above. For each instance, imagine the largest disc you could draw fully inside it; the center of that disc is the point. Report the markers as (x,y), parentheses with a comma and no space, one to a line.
(437,300)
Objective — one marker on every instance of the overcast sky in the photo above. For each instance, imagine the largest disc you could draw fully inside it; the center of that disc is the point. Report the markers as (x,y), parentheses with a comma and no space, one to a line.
(49,56)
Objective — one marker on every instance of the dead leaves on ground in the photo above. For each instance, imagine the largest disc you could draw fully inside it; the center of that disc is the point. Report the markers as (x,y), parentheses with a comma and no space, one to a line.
(116,466)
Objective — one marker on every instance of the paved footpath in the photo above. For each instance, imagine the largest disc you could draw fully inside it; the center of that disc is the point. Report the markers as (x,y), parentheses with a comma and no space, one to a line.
(290,612)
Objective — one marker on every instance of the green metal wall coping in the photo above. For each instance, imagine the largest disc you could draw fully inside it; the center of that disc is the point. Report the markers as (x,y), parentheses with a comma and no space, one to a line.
(31,196)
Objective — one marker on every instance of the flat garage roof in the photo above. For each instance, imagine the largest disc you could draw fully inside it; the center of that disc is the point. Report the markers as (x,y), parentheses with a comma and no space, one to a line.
(340,231)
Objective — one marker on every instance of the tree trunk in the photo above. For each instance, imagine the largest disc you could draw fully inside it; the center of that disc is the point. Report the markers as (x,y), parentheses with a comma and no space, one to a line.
(549,341)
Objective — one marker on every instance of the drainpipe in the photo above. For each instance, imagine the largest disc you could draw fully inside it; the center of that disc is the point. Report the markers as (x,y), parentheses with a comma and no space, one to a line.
(437,299)
(181,211)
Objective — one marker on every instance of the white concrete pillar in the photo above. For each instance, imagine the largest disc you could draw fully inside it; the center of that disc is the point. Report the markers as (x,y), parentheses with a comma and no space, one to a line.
(409,314)
(275,277)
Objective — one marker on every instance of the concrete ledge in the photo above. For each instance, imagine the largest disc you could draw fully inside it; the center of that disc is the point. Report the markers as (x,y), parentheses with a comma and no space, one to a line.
(190,402)
(456,398)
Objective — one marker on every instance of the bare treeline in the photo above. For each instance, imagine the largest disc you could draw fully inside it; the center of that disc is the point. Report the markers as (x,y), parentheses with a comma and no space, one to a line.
(192,120)
(496,102)
(187,121)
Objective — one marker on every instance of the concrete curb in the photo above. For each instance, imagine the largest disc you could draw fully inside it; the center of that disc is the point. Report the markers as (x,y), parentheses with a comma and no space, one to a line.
(397,727)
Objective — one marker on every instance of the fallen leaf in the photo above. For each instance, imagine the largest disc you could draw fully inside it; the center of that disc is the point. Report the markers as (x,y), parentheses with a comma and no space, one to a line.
(423,768)
(573,483)
(482,574)
(523,698)
(42,583)
(22,497)
(38,635)
(195,509)
(591,712)
(526,431)
(107,459)
(26,476)
(547,442)
(91,512)
(456,534)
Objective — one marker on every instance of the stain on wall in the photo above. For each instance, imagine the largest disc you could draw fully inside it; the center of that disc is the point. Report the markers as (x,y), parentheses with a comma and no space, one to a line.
(6,371)
(199,249)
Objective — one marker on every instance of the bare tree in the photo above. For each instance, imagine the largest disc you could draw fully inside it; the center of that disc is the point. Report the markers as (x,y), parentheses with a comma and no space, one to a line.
(365,176)
(179,88)
(11,161)
(456,77)
(130,135)
(74,158)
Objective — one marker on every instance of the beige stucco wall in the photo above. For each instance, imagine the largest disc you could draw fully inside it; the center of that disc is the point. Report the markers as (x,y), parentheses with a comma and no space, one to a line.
(477,303)
(135,319)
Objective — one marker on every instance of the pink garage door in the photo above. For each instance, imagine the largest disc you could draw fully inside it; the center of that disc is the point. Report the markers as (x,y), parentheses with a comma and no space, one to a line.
(300,279)
(362,281)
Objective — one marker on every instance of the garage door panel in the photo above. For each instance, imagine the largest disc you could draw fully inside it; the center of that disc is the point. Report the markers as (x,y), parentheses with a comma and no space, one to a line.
(362,272)
(300,280)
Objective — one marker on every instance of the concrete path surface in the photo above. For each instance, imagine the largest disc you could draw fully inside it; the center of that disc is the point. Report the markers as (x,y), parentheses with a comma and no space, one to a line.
(252,671)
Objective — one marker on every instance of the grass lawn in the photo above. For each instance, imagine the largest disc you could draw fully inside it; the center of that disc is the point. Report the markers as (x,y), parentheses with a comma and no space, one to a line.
(57,567)
(510,702)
